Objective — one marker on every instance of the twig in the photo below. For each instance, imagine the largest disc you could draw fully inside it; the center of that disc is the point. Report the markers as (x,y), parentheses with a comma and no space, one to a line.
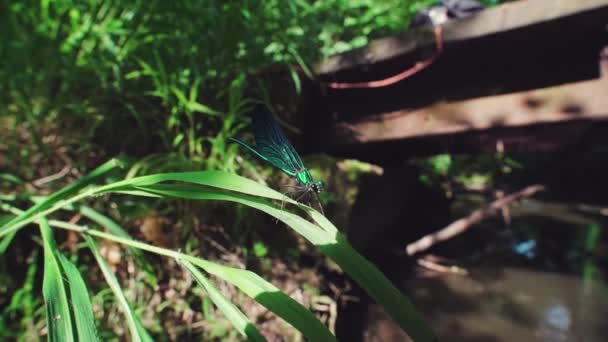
(437,267)
(459,226)
(39,182)
(327,305)
(75,219)
(215,244)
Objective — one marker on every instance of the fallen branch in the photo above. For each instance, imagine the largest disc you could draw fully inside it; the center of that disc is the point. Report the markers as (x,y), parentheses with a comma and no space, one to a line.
(40,182)
(437,267)
(461,225)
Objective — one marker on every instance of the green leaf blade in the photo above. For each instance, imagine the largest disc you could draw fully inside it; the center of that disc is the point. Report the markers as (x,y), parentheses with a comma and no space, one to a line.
(58,317)
(80,301)
(117,230)
(56,197)
(331,242)
(271,297)
(232,313)
(136,328)
(311,232)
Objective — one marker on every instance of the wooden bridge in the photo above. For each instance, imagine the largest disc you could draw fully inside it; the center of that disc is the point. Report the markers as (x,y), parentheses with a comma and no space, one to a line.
(523,76)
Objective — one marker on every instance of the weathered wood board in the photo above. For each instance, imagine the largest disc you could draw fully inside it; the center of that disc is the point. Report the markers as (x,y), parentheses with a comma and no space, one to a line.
(537,120)
(523,75)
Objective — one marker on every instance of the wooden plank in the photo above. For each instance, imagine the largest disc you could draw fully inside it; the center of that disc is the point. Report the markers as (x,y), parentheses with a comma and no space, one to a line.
(584,100)
(514,47)
(538,120)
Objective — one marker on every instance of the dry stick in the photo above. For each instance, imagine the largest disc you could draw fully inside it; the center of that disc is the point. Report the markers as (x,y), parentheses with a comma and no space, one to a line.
(40,182)
(465,223)
(437,267)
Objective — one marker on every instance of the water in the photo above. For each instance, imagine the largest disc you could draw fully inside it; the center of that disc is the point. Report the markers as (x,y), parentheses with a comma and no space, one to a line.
(509,304)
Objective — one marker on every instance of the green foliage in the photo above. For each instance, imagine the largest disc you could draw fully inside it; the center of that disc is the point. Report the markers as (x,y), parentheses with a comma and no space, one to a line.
(23,304)
(69,314)
(79,301)
(470,172)
(58,316)
(88,63)
(68,190)
(234,315)
(114,228)
(136,328)
(441,164)
(260,250)
(213,185)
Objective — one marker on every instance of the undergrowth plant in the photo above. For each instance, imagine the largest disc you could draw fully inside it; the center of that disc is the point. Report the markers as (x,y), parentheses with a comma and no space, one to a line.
(155,72)
(67,300)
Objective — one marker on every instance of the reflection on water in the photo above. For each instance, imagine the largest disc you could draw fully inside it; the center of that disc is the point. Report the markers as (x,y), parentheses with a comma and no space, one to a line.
(504,305)
(555,323)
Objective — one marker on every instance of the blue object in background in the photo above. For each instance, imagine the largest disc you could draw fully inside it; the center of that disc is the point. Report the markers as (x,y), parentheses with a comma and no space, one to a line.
(526,248)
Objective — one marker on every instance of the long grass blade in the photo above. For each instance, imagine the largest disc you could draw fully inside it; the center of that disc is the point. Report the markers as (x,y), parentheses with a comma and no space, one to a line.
(271,297)
(80,304)
(58,318)
(68,190)
(215,185)
(55,197)
(331,243)
(116,229)
(377,285)
(216,179)
(136,328)
(250,283)
(232,313)
(308,230)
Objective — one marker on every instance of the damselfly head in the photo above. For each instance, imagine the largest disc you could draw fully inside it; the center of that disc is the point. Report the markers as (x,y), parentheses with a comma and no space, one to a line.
(317,186)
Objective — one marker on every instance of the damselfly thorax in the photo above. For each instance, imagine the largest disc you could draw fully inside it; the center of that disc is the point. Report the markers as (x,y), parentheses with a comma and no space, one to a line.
(306,181)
